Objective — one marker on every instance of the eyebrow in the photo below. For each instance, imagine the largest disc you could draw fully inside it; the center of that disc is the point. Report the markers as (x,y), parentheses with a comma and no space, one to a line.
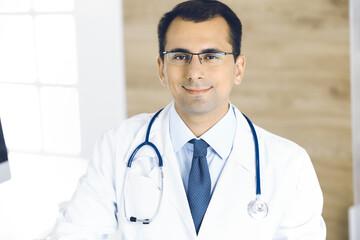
(206,50)
(183,50)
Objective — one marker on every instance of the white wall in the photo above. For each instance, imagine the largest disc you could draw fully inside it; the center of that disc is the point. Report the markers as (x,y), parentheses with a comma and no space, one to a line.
(42,175)
(101,67)
(354,213)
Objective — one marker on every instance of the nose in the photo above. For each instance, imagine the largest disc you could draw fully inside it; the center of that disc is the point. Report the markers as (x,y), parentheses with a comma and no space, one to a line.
(195,69)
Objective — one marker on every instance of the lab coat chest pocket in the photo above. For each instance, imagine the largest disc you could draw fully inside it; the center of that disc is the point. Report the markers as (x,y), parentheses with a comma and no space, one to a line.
(142,190)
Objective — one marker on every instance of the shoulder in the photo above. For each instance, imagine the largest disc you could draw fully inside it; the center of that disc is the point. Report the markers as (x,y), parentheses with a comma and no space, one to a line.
(123,134)
(115,142)
(276,142)
(136,123)
(128,128)
(276,151)
(271,141)
(132,124)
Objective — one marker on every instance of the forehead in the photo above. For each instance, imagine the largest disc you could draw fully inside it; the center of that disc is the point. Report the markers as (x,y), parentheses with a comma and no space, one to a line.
(195,36)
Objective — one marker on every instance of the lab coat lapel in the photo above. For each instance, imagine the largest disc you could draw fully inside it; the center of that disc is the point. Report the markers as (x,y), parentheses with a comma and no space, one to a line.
(235,187)
(173,185)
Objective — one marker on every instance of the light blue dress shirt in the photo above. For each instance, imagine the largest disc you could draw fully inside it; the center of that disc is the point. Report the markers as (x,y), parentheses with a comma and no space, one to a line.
(220,138)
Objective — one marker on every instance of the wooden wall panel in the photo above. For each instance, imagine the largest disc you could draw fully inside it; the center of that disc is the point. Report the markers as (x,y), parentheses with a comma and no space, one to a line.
(297,81)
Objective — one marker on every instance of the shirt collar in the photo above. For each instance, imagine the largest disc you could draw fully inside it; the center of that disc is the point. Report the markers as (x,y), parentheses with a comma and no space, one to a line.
(220,137)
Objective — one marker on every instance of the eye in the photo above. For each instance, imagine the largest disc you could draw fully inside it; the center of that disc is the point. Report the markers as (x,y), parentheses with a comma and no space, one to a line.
(211,56)
(180,56)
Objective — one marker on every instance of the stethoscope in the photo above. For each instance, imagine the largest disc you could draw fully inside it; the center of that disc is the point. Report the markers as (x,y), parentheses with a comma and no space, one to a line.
(257,208)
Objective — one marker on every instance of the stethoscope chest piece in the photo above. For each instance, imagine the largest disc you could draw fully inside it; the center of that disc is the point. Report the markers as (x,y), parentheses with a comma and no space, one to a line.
(258,209)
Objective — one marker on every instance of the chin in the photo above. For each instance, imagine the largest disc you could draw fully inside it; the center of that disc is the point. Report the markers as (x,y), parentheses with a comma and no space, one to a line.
(199,108)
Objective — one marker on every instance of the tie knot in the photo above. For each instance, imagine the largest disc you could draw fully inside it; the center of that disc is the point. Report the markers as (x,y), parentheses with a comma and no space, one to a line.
(200,147)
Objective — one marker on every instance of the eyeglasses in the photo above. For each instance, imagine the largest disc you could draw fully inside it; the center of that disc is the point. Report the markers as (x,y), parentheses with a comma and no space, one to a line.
(183,58)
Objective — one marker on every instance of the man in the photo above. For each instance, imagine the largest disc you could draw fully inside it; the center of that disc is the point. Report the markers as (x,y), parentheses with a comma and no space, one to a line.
(207,149)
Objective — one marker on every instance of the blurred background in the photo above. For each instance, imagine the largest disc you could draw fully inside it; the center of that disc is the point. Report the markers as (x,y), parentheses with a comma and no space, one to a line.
(69,69)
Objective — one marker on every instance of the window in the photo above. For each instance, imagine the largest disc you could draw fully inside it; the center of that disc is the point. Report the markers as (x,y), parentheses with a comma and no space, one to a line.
(61,86)
(39,100)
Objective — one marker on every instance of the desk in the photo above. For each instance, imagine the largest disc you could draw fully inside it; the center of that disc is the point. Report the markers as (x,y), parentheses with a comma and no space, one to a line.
(29,200)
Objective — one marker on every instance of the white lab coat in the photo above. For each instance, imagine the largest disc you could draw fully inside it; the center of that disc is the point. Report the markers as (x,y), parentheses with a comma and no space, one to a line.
(288,182)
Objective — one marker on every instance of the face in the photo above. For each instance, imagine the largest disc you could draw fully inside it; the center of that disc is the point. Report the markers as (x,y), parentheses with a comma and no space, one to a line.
(199,89)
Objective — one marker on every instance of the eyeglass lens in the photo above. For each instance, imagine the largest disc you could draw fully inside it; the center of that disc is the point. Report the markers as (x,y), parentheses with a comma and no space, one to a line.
(181,58)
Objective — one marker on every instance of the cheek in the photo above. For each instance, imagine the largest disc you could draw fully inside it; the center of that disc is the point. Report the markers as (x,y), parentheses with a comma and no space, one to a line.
(172,75)
(225,78)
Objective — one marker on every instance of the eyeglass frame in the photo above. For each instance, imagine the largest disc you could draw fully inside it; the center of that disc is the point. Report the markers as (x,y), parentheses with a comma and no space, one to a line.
(198,54)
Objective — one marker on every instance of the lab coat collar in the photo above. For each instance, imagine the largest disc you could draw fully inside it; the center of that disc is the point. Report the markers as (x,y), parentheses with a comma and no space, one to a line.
(244,143)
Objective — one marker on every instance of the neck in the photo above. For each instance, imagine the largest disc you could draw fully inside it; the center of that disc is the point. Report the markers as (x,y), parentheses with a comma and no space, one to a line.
(201,122)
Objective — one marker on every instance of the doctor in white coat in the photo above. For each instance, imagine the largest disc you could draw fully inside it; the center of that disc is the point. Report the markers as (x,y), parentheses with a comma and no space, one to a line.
(200,61)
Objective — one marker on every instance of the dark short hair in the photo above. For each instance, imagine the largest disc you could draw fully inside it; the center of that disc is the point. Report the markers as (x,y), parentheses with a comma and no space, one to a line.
(199,11)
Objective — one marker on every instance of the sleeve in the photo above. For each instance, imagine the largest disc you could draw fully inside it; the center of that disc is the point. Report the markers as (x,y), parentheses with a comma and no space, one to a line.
(91,213)
(302,218)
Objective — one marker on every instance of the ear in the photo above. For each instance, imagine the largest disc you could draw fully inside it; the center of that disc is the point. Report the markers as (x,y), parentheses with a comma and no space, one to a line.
(160,64)
(240,68)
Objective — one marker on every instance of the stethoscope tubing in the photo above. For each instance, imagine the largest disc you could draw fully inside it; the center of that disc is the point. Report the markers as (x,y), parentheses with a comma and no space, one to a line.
(147,142)
(132,156)
(257,156)
(138,148)
(253,207)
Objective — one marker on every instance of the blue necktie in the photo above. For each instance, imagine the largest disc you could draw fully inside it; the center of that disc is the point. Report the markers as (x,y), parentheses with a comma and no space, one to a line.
(199,183)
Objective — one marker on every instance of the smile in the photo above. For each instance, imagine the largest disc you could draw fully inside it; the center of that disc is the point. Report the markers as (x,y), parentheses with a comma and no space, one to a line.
(196,91)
